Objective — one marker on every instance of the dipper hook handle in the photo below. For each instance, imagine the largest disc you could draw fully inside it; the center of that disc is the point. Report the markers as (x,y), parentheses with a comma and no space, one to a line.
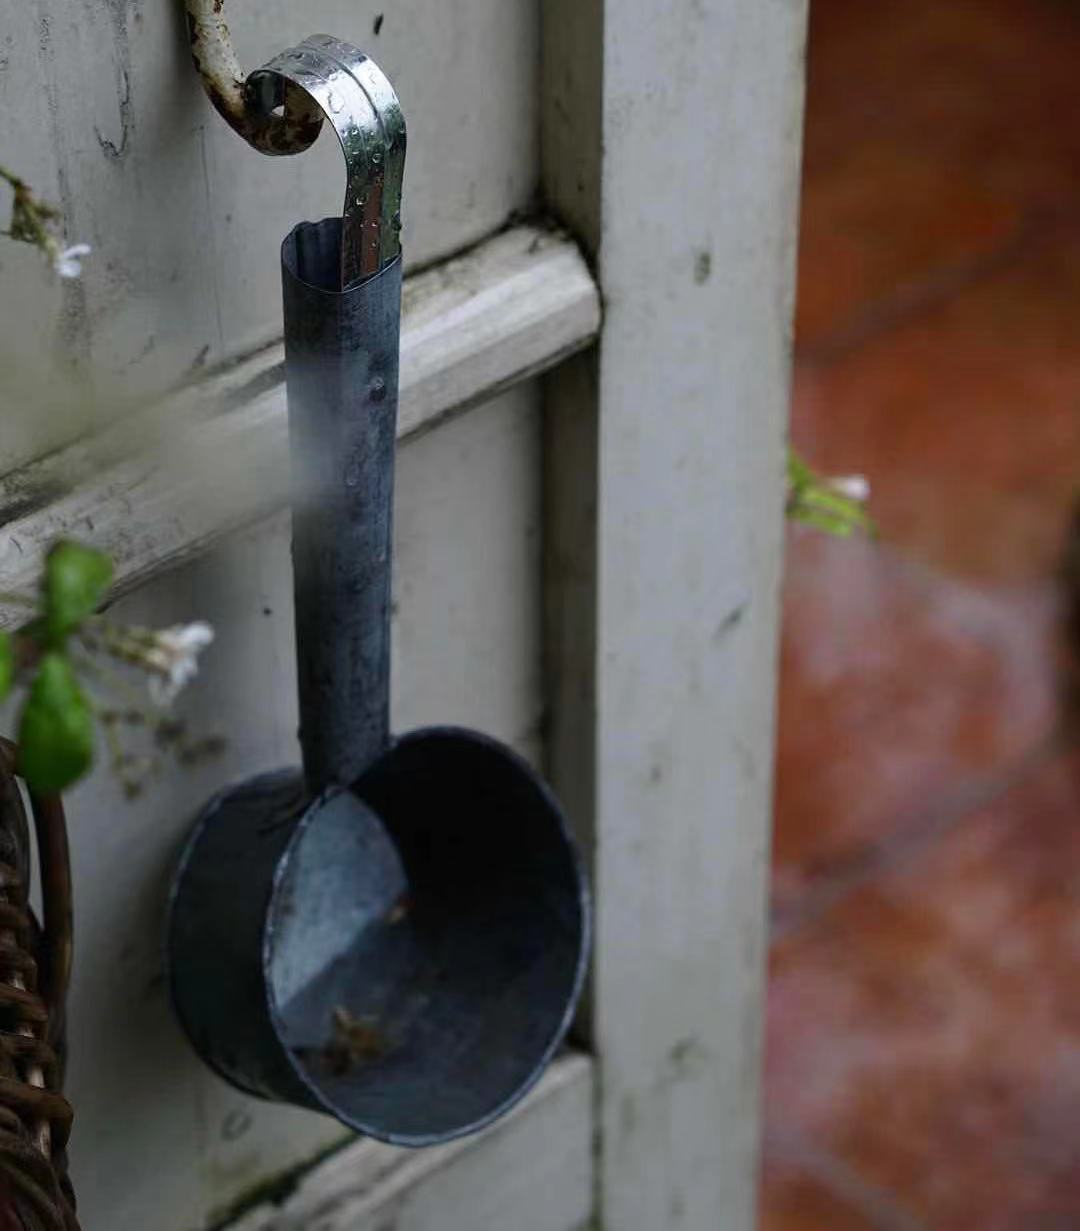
(279,109)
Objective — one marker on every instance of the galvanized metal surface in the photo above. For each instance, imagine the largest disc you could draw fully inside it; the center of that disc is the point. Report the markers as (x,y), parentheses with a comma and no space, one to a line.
(341,366)
(218,912)
(405,954)
(397,955)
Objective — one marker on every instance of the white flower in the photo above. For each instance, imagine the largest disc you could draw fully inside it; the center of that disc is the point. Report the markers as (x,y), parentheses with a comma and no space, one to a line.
(852,486)
(68,261)
(173,658)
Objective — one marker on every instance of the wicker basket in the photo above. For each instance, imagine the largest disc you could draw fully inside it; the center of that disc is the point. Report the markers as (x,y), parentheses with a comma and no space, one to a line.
(35,964)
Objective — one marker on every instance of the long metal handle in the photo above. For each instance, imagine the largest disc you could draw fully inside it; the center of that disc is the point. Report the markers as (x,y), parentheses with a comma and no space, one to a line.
(342,301)
(342,296)
(341,365)
(341,283)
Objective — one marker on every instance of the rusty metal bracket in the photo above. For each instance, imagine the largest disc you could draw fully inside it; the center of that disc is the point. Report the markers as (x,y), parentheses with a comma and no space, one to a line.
(290,132)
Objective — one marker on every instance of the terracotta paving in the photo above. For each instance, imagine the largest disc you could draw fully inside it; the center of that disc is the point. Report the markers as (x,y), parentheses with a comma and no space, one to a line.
(923,1060)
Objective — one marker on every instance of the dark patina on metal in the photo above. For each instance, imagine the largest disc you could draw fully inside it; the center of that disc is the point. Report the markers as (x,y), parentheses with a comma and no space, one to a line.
(397,934)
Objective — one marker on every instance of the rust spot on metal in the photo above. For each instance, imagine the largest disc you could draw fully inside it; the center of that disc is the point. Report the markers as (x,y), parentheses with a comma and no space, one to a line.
(212,53)
(353,1041)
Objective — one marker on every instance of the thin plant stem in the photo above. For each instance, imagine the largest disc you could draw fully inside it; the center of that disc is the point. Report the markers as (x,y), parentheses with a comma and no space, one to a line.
(12,599)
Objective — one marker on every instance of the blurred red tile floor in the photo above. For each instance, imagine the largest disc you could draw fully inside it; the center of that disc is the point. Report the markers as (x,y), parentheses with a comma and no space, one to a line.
(923,1059)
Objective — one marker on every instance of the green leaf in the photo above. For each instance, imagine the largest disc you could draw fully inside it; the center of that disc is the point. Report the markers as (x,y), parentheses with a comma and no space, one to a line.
(799,473)
(7,664)
(820,520)
(814,502)
(75,581)
(56,731)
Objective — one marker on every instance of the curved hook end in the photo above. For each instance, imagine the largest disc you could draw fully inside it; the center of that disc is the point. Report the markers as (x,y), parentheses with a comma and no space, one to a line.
(291,131)
(280,108)
(359,101)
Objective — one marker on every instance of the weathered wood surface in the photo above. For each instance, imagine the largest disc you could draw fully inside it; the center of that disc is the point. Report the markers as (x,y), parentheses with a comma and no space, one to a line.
(529,1172)
(671,144)
(105,115)
(157,488)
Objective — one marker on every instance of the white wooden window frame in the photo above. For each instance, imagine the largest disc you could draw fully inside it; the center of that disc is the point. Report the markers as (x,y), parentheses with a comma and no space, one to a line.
(671,137)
